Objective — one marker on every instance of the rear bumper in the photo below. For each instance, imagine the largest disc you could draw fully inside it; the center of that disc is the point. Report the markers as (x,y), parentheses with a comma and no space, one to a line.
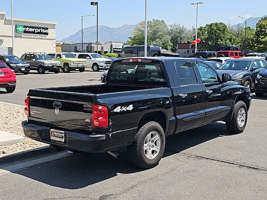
(80,142)
(8,84)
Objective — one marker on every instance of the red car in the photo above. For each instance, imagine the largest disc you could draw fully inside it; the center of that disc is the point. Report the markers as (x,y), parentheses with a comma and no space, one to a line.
(7,78)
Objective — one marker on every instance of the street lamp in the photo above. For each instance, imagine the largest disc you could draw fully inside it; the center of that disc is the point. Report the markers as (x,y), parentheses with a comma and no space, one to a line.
(82,18)
(197,3)
(145,50)
(12,27)
(95,3)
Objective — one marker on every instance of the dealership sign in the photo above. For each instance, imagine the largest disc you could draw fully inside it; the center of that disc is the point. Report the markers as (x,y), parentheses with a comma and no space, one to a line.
(31,29)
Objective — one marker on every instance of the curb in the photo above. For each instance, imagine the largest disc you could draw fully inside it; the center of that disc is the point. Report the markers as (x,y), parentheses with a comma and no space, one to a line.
(24,155)
(10,138)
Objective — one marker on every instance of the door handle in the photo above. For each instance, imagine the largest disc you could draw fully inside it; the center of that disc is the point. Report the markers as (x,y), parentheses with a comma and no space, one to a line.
(182,95)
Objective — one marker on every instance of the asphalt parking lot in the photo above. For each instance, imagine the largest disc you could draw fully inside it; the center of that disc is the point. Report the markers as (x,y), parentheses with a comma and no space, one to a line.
(204,163)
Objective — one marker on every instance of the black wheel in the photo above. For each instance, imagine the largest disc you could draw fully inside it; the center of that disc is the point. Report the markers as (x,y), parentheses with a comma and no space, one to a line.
(148,146)
(259,94)
(56,71)
(10,89)
(26,72)
(66,68)
(239,119)
(82,69)
(95,67)
(247,84)
(41,70)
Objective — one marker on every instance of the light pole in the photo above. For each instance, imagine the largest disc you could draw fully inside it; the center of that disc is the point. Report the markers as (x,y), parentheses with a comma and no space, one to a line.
(95,3)
(197,3)
(245,21)
(145,50)
(12,27)
(82,18)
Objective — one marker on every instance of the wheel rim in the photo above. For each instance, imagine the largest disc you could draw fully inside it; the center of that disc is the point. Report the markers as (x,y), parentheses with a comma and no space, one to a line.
(152,145)
(95,68)
(241,117)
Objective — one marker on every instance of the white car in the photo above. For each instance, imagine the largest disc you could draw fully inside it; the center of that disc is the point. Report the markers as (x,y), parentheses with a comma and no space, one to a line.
(95,61)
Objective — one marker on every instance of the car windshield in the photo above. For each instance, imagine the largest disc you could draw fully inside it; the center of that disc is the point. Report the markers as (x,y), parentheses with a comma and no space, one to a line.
(96,55)
(12,58)
(236,65)
(69,55)
(43,57)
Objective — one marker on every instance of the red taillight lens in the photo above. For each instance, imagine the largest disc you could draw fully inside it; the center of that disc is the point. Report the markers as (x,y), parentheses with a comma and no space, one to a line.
(27,106)
(99,116)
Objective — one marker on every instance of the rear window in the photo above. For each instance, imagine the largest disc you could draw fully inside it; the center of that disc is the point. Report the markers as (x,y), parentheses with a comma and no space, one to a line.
(3,65)
(137,71)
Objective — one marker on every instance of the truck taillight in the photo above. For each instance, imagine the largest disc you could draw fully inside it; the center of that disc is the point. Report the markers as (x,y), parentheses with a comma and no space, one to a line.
(99,116)
(27,106)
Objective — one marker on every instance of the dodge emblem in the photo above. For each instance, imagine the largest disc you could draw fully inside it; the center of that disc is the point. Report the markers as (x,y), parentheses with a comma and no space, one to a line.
(57,105)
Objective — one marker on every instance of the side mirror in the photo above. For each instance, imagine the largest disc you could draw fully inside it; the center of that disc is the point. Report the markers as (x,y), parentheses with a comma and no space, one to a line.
(226,77)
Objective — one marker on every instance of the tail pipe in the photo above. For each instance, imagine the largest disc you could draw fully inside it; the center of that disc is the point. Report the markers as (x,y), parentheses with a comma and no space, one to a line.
(115,155)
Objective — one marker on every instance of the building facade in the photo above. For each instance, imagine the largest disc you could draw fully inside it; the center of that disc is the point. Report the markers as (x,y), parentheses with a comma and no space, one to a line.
(29,35)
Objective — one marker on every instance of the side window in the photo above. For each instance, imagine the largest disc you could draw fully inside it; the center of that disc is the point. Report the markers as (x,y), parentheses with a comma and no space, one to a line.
(186,74)
(207,74)
(262,63)
(255,65)
(231,53)
(27,57)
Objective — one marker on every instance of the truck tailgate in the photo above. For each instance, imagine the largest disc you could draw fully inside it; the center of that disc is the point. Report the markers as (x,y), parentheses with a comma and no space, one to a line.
(61,109)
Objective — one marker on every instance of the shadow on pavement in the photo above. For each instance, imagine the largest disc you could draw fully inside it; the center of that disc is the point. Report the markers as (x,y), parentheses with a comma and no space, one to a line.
(81,170)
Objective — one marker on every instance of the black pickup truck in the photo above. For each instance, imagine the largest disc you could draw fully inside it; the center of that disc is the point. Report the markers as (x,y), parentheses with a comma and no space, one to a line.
(142,101)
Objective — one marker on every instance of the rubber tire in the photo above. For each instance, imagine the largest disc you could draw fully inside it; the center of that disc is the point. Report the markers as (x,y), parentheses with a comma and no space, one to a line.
(66,68)
(233,126)
(248,85)
(136,149)
(10,89)
(82,69)
(259,94)
(95,67)
(56,71)
(41,70)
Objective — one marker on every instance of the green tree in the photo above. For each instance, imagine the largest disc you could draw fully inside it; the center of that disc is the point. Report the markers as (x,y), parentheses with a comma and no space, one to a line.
(157,32)
(179,34)
(261,35)
(138,40)
(215,35)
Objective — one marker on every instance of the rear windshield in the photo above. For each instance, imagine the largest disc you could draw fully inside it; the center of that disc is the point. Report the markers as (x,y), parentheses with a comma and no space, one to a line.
(3,65)
(139,72)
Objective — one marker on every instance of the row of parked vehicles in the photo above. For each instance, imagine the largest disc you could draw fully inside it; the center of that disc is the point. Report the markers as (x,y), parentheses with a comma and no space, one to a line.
(55,62)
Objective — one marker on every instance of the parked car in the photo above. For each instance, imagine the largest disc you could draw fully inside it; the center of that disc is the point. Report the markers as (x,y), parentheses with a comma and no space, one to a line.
(95,61)
(205,54)
(243,70)
(261,83)
(229,53)
(41,62)
(7,77)
(143,101)
(69,62)
(219,59)
(255,54)
(214,64)
(15,63)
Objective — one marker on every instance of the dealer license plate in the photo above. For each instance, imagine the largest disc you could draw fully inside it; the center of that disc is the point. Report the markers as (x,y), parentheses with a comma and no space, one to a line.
(2,74)
(56,135)
(23,68)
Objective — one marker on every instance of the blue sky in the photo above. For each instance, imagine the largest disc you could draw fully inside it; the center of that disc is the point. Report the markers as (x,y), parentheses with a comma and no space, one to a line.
(115,13)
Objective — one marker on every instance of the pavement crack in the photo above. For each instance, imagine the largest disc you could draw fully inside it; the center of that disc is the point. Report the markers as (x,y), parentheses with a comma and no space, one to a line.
(238,164)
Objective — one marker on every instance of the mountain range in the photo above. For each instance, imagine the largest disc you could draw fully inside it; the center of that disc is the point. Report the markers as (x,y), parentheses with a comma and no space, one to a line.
(121,34)
(105,33)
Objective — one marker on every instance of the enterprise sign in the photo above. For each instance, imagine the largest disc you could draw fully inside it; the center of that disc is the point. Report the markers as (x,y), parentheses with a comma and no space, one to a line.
(31,29)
